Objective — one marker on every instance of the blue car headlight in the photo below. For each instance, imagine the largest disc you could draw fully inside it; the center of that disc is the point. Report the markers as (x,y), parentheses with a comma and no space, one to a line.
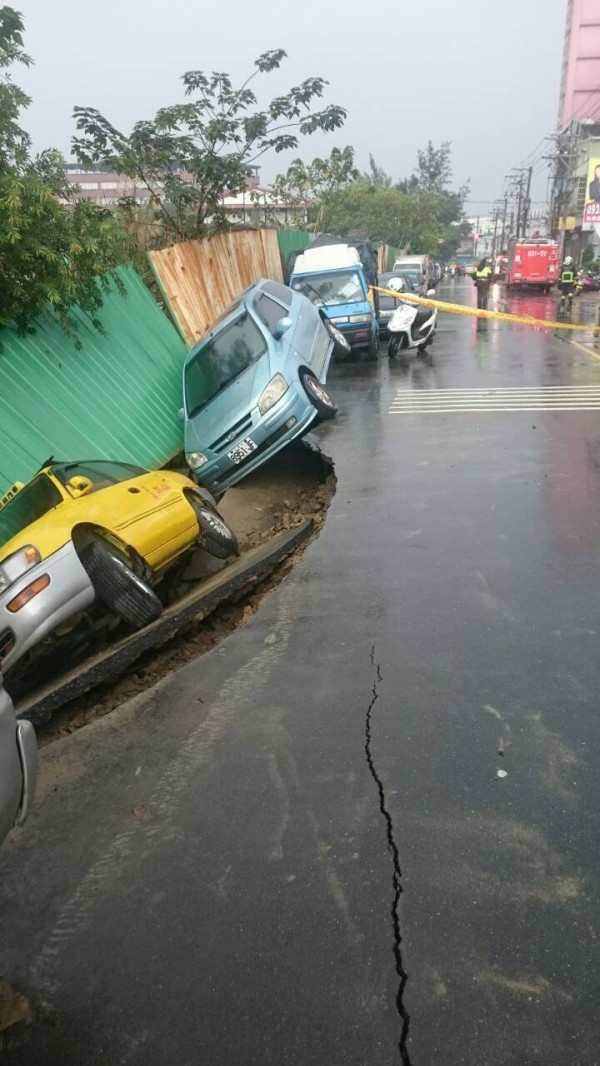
(195,460)
(276,388)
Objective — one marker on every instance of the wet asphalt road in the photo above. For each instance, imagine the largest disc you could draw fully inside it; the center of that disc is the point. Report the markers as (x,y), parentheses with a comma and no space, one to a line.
(212,874)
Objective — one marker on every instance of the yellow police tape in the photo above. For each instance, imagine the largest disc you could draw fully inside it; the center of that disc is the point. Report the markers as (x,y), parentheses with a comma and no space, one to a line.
(499,316)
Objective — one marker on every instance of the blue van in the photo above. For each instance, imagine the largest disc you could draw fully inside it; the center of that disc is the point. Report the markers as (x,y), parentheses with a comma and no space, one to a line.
(254,382)
(333,277)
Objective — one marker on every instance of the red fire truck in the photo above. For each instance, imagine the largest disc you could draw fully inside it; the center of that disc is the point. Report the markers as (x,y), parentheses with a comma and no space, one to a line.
(533,263)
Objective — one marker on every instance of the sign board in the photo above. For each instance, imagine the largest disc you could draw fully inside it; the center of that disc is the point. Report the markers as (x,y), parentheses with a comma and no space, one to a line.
(591,211)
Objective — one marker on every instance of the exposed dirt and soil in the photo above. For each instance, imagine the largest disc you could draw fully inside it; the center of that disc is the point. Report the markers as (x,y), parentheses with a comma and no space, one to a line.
(294,486)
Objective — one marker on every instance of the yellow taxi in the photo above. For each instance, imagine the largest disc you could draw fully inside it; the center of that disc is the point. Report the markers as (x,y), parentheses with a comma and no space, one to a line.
(92,531)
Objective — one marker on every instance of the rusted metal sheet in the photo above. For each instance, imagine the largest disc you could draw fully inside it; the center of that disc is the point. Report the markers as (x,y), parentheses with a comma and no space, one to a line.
(200,278)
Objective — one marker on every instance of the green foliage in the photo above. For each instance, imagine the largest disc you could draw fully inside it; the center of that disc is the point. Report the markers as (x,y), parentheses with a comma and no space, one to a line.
(387,215)
(213,138)
(309,187)
(14,142)
(376,174)
(53,253)
(434,167)
(421,213)
(587,257)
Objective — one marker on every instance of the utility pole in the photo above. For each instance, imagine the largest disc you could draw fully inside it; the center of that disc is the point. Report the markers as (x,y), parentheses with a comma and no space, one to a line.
(565,160)
(521,186)
(495,237)
(519,207)
(527,202)
(504,242)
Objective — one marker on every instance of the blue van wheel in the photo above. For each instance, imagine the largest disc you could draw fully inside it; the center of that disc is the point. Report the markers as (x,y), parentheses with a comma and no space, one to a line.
(341,346)
(373,349)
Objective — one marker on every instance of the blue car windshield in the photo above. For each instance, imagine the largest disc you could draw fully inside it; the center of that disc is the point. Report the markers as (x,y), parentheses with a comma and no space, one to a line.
(30,503)
(341,287)
(222,359)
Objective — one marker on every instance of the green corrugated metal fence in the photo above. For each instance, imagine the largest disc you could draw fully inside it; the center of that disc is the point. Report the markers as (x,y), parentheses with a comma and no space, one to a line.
(116,398)
(391,257)
(292,240)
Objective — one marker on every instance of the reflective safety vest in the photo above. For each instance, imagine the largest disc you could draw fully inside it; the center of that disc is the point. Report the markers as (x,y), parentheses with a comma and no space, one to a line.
(484,274)
(567,276)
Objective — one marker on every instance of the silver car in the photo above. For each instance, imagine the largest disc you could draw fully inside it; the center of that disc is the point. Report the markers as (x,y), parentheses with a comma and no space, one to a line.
(18,766)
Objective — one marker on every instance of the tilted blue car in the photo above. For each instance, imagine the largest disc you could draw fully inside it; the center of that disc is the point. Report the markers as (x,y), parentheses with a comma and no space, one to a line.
(255,382)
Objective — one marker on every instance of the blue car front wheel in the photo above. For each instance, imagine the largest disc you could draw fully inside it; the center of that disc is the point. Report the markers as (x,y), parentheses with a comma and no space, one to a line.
(319,396)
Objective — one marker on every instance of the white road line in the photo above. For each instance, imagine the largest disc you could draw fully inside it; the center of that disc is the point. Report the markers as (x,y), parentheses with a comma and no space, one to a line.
(489,409)
(576,401)
(513,398)
(550,390)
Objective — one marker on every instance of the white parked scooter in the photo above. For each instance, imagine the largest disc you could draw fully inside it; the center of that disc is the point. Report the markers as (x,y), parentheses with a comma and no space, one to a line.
(410,326)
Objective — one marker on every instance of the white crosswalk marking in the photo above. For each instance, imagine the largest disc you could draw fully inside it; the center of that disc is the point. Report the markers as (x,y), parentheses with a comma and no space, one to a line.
(466,401)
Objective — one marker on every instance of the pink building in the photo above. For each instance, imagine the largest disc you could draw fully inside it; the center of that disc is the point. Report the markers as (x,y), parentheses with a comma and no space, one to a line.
(580,86)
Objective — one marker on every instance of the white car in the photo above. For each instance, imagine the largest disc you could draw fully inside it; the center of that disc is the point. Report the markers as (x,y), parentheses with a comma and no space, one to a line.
(18,766)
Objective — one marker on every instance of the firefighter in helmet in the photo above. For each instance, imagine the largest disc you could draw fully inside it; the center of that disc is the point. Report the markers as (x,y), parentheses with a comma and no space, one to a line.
(567,281)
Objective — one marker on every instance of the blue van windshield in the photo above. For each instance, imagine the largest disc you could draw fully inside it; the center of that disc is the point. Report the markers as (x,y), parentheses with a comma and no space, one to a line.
(221,360)
(341,287)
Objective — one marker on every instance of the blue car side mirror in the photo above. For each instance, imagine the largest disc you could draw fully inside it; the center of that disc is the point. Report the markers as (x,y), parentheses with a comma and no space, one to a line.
(282,327)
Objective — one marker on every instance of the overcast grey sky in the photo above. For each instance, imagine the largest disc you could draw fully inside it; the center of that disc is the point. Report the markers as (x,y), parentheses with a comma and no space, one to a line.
(484,76)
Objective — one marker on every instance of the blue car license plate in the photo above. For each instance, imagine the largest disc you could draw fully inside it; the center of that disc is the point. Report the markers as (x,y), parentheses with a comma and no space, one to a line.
(244,448)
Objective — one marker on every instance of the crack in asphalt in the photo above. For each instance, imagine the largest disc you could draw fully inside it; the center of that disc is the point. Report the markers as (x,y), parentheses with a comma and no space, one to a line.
(397,874)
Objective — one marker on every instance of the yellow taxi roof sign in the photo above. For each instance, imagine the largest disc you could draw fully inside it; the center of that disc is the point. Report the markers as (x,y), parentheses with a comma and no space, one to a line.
(12,491)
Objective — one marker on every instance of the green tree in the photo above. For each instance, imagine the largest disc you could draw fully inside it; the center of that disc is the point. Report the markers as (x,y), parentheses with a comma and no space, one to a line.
(53,252)
(413,220)
(190,153)
(587,257)
(376,174)
(434,167)
(310,187)
(421,213)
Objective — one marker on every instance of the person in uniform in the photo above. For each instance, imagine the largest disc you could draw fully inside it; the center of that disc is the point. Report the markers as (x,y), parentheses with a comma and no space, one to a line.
(567,280)
(483,277)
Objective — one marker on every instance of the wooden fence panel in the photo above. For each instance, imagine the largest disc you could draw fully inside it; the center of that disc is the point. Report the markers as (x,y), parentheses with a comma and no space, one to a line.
(200,278)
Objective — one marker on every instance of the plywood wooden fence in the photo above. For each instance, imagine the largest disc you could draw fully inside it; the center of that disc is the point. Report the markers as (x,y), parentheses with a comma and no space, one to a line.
(200,278)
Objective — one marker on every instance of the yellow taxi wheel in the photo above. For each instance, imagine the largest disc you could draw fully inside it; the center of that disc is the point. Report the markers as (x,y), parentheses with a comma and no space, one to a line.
(216,537)
(118,587)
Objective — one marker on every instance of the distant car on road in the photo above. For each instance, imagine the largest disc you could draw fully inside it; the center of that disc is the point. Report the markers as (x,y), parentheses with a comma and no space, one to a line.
(18,766)
(95,530)
(255,382)
(417,279)
(423,265)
